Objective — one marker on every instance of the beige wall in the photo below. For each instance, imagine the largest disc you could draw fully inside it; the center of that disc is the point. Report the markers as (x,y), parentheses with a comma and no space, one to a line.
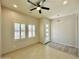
(78,33)
(0,28)
(9,17)
(64,31)
(42,30)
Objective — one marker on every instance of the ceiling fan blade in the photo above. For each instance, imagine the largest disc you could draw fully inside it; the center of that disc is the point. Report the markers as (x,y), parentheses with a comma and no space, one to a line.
(31,3)
(32,9)
(38,3)
(44,1)
(40,11)
(45,8)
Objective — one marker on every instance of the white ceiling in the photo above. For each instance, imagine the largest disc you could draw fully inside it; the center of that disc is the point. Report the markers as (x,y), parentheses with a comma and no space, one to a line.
(56,7)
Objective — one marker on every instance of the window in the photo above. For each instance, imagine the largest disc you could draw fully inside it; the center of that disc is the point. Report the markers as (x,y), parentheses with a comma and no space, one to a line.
(23,31)
(31,31)
(46,31)
(19,31)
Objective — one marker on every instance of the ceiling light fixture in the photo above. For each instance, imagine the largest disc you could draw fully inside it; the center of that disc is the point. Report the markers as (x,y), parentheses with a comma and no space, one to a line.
(15,6)
(65,2)
(38,8)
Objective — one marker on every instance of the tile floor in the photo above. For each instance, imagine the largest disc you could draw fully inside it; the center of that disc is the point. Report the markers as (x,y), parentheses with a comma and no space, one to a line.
(64,48)
(38,51)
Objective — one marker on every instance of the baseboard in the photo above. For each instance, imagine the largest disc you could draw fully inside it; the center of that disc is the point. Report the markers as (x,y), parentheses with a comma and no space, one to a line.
(47,42)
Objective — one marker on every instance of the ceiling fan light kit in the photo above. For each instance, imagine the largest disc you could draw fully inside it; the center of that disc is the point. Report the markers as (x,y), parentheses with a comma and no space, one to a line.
(38,8)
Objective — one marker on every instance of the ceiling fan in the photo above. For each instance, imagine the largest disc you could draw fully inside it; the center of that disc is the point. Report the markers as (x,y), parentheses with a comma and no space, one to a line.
(39,6)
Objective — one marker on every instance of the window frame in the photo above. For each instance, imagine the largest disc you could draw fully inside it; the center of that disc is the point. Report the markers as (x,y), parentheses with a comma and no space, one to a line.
(20,31)
(33,33)
(16,31)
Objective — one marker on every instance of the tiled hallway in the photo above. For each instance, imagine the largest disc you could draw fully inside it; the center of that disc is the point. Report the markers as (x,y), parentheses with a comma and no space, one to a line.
(39,51)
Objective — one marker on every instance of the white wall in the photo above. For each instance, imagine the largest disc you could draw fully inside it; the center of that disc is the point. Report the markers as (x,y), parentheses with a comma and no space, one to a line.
(42,30)
(64,31)
(9,17)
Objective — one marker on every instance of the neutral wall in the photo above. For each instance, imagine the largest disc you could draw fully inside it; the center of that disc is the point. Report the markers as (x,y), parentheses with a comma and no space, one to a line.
(0,28)
(64,30)
(9,17)
(78,34)
(42,30)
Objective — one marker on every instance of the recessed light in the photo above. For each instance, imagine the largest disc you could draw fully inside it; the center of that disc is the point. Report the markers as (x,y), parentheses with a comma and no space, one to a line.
(15,6)
(65,2)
